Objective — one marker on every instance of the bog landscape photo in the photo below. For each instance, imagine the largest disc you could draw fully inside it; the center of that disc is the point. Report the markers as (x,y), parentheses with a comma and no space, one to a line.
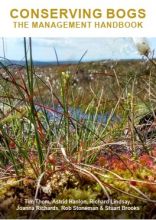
(78,128)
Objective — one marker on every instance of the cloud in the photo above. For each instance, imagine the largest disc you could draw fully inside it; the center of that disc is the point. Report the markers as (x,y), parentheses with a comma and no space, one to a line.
(73,48)
(98,48)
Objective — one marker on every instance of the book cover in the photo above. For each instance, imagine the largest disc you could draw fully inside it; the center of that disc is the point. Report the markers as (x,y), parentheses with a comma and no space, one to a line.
(77,109)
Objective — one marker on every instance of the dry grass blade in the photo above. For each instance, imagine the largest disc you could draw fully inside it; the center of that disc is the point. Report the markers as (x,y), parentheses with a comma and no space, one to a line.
(84,171)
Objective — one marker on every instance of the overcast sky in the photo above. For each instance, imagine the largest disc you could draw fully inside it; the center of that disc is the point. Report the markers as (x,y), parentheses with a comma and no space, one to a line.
(73,48)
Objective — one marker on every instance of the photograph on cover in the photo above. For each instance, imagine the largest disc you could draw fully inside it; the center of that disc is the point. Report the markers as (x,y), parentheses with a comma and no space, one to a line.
(77,128)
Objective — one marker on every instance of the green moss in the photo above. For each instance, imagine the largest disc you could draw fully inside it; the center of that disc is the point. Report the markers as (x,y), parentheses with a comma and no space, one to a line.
(78,194)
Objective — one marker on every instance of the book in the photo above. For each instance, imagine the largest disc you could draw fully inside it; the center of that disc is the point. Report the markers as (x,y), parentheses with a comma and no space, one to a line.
(77,109)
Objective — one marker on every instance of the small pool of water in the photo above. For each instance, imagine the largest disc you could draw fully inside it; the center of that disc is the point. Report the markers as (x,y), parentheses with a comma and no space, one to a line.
(57,112)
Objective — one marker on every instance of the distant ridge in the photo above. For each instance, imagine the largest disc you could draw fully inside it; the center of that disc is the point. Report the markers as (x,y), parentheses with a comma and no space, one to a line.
(36,63)
(48,63)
